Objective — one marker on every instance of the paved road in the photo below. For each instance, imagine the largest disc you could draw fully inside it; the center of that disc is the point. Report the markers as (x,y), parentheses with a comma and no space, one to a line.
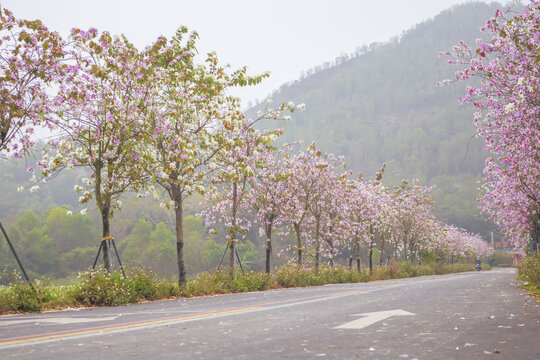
(459,316)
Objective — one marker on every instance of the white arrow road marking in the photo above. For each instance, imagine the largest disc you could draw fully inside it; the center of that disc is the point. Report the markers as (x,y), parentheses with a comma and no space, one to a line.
(371,318)
(57,320)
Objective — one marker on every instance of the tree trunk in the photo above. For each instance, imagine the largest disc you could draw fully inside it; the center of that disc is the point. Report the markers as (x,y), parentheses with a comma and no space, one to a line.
(412,251)
(371,257)
(298,243)
(179,218)
(382,251)
(350,261)
(331,246)
(232,233)
(268,228)
(535,238)
(317,242)
(405,250)
(104,204)
(105,220)
(357,254)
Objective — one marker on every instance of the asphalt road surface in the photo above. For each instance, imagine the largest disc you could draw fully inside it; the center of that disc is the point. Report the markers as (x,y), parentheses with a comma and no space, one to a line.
(458,316)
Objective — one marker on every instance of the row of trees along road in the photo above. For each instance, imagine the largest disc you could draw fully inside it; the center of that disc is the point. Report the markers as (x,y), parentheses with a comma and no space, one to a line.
(157,123)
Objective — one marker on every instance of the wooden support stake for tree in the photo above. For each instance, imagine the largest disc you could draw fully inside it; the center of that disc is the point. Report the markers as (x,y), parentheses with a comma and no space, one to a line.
(15,254)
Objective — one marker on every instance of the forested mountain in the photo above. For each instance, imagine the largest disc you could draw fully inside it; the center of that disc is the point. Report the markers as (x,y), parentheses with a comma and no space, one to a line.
(382,104)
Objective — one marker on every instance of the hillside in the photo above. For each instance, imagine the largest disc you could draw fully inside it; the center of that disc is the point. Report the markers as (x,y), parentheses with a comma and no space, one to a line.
(382,104)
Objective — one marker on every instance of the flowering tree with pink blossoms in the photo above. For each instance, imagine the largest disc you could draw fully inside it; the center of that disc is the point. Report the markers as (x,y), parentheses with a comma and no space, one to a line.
(361,213)
(335,225)
(234,182)
(313,174)
(98,109)
(414,221)
(324,184)
(508,103)
(459,243)
(368,202)
(268,195)
(295,208)
(31,60)
(188,132)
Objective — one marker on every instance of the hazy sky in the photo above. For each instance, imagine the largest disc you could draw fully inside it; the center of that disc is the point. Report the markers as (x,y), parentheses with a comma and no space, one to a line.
(281,36)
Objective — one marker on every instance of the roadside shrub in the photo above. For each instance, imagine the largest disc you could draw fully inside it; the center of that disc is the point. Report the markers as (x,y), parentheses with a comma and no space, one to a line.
(99,287)
(438,268)
(144,283)
(220,282)
(529,270)
(205,283)
(167,288)
(338,275)
(252,281)
(385,272)
(291,275)
(407,269)
(21,297)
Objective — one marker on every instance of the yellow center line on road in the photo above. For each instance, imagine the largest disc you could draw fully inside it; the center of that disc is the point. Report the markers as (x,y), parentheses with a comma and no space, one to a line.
(9,342)
(103,330)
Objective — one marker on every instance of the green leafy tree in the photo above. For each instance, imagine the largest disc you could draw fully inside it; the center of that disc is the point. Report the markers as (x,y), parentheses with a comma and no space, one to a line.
(68,231)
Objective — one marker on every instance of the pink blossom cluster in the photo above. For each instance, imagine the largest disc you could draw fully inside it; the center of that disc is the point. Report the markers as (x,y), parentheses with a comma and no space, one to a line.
(31,59)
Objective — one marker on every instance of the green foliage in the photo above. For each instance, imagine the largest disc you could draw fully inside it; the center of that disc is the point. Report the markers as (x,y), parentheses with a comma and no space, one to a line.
(79,259)
(529,270)
(147,285)
(292,276)
(221,282)
(500,258)
(21,297)
(68,231)
(102,288)
(57,244)
(248,254)
(149,247)
(211,253)
(53,246)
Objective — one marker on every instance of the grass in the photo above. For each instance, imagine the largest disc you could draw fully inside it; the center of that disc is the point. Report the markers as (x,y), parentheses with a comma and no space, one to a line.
(100,288)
